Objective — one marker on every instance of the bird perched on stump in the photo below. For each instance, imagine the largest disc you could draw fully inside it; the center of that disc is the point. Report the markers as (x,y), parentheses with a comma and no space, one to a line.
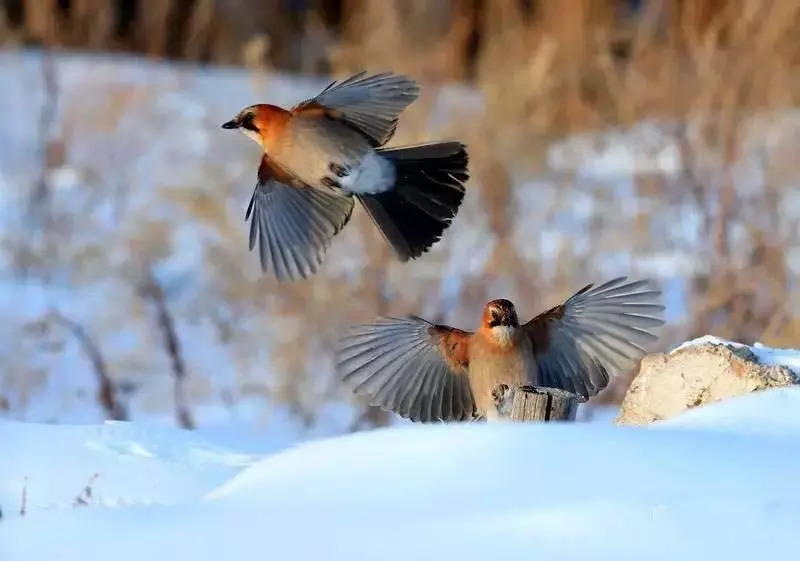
(324,152)
(426,372)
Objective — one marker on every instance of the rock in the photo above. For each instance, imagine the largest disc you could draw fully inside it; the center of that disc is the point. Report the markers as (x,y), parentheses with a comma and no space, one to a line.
(694,374)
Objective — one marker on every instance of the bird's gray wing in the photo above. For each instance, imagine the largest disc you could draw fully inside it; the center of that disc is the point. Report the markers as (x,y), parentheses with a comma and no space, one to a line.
(597,333)
(293,226)
(372,104)
(410,367)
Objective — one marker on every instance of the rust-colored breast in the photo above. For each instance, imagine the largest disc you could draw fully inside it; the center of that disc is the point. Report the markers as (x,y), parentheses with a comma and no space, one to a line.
(492,363)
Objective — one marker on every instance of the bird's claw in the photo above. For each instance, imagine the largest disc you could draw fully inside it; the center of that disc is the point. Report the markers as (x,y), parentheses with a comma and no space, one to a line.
(499,392)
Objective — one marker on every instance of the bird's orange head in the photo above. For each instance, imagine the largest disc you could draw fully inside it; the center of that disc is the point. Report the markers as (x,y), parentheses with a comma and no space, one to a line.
(259,122)
(499,313)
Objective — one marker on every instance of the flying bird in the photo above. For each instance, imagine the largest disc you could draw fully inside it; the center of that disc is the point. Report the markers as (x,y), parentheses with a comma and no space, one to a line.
(426,372)
(325,152)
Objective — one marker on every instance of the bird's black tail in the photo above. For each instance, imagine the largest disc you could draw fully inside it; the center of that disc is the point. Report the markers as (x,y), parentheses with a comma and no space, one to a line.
(427,193)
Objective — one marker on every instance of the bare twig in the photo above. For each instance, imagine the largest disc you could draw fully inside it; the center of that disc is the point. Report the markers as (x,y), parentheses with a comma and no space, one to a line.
(23,507)
(85,495)
(151,290)
(47,115)
(38,214)
(107,391)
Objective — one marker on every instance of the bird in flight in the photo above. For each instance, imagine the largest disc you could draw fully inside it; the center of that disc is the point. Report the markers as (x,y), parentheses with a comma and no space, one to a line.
(325,152)
(426,372)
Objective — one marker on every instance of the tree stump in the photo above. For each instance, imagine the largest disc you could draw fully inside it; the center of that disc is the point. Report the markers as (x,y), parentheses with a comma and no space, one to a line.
(528,403)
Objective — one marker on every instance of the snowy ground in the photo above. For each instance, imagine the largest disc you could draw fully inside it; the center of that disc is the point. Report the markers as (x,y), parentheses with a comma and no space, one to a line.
(717,483)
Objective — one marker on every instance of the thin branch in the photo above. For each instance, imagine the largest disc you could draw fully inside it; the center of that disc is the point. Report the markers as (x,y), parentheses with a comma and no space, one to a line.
(107,391)
(85,496)
(23,507)
(151,290)
(47,116)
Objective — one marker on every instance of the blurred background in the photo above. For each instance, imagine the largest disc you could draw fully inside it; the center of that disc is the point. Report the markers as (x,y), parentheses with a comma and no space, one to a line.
(607,137)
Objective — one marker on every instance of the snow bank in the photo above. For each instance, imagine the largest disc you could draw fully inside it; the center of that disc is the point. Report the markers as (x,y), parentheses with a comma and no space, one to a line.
(766,355)
(504,491)
(772,412)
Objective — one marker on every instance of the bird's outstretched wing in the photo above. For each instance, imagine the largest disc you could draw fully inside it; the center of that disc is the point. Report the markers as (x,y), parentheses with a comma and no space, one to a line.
(293,226)
(372,104)
(598,332)
(409,366)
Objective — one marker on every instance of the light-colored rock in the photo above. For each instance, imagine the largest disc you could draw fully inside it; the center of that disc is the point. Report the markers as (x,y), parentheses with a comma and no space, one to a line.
(694,374)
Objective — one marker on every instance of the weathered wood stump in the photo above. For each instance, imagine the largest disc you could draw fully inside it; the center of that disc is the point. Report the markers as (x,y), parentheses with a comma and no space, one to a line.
(528,403)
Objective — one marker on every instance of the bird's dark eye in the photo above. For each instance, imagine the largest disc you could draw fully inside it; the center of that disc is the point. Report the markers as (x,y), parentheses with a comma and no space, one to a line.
(247,122)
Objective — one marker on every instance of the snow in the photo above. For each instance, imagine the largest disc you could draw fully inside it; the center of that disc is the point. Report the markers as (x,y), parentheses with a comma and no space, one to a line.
(765,355)
(718,482)
(774,412)
(133,464)
(645,149)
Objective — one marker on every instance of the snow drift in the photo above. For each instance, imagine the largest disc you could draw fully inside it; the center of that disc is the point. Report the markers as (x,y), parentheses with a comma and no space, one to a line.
(505,491)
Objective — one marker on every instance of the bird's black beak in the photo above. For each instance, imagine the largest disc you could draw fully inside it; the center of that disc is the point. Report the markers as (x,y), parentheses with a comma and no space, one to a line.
(230,125)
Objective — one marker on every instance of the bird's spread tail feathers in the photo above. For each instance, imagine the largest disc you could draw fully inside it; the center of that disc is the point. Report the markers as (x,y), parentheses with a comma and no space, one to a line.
(428,191)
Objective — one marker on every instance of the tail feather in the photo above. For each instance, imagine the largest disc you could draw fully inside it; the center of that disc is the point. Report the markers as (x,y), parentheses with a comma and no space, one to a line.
(428,191)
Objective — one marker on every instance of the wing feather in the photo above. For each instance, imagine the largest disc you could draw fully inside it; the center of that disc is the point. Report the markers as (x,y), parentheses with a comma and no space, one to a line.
(372,104)
(293,225)
(597,333)
(409,366)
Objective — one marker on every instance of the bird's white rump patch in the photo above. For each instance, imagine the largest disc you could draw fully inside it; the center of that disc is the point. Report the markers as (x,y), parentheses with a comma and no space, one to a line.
(373,174)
